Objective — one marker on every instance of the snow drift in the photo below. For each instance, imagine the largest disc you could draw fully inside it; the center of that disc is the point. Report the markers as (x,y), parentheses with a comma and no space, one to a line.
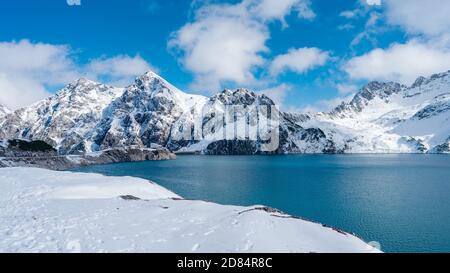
(47,211)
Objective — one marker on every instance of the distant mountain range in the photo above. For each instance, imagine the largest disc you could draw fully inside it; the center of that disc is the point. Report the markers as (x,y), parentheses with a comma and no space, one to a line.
(87,116)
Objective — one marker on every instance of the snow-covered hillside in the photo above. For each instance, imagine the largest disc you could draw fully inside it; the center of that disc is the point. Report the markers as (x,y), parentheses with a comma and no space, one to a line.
(392,118)
(382,118)
(47,211)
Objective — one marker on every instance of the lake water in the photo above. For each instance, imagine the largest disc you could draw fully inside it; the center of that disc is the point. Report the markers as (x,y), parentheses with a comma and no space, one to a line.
(400,201)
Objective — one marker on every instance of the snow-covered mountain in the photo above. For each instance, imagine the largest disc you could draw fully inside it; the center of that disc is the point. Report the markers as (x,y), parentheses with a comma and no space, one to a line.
(64,119)
(250,112)
(382,118)
(392,118)
(143,115)
(87,116)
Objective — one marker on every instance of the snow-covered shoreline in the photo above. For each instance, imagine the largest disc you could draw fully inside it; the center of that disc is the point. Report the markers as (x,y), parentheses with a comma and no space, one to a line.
(47,211)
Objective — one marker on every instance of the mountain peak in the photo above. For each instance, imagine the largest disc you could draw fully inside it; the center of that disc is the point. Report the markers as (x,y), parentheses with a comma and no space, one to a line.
(377,85)
(439,75)
(83,82)
(418,82)
(228,94)
(152,83)
(149,77)
(379,89)
(423,80)
(151,74)
(241,96)
(82,86)
(370,91)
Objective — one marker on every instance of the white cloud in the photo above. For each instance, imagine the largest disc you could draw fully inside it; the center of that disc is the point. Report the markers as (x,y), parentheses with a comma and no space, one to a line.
(362,8)
(325,105)
(299,60)
(346,27)
(225,43)
(304,10)
(400,62)
(349,14)
(74,2)
(119,70)
(278,9)
(19,91)
(278,93)
(28,70)
(427,52)
(430,17)
(50,63)
(374,2)
(221,47)
(370,31)
(345,89)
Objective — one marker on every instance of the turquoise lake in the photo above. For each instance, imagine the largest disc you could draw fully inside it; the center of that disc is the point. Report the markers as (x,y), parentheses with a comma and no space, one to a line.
(400,201)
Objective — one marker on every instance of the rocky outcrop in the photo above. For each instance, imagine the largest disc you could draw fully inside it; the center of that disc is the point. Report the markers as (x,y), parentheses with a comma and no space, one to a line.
(128,154)
(443,148)
(232,147)
(439,105)
(22,148)
(369,92)
(19,153)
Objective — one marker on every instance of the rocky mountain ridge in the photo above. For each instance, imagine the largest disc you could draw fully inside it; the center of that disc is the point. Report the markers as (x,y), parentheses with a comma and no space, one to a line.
(86,117)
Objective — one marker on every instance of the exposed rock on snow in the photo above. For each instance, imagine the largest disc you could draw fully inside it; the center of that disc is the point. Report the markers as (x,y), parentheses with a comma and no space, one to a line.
(46,211)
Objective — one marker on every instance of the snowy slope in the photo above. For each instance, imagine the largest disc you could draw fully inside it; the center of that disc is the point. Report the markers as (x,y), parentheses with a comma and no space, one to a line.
(46,211)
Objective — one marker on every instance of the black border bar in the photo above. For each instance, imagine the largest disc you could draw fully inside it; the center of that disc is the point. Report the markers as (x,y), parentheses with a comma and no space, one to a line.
(171,262)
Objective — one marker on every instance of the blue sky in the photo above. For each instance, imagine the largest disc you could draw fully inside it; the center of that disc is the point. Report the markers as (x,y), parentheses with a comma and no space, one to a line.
(307,54)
